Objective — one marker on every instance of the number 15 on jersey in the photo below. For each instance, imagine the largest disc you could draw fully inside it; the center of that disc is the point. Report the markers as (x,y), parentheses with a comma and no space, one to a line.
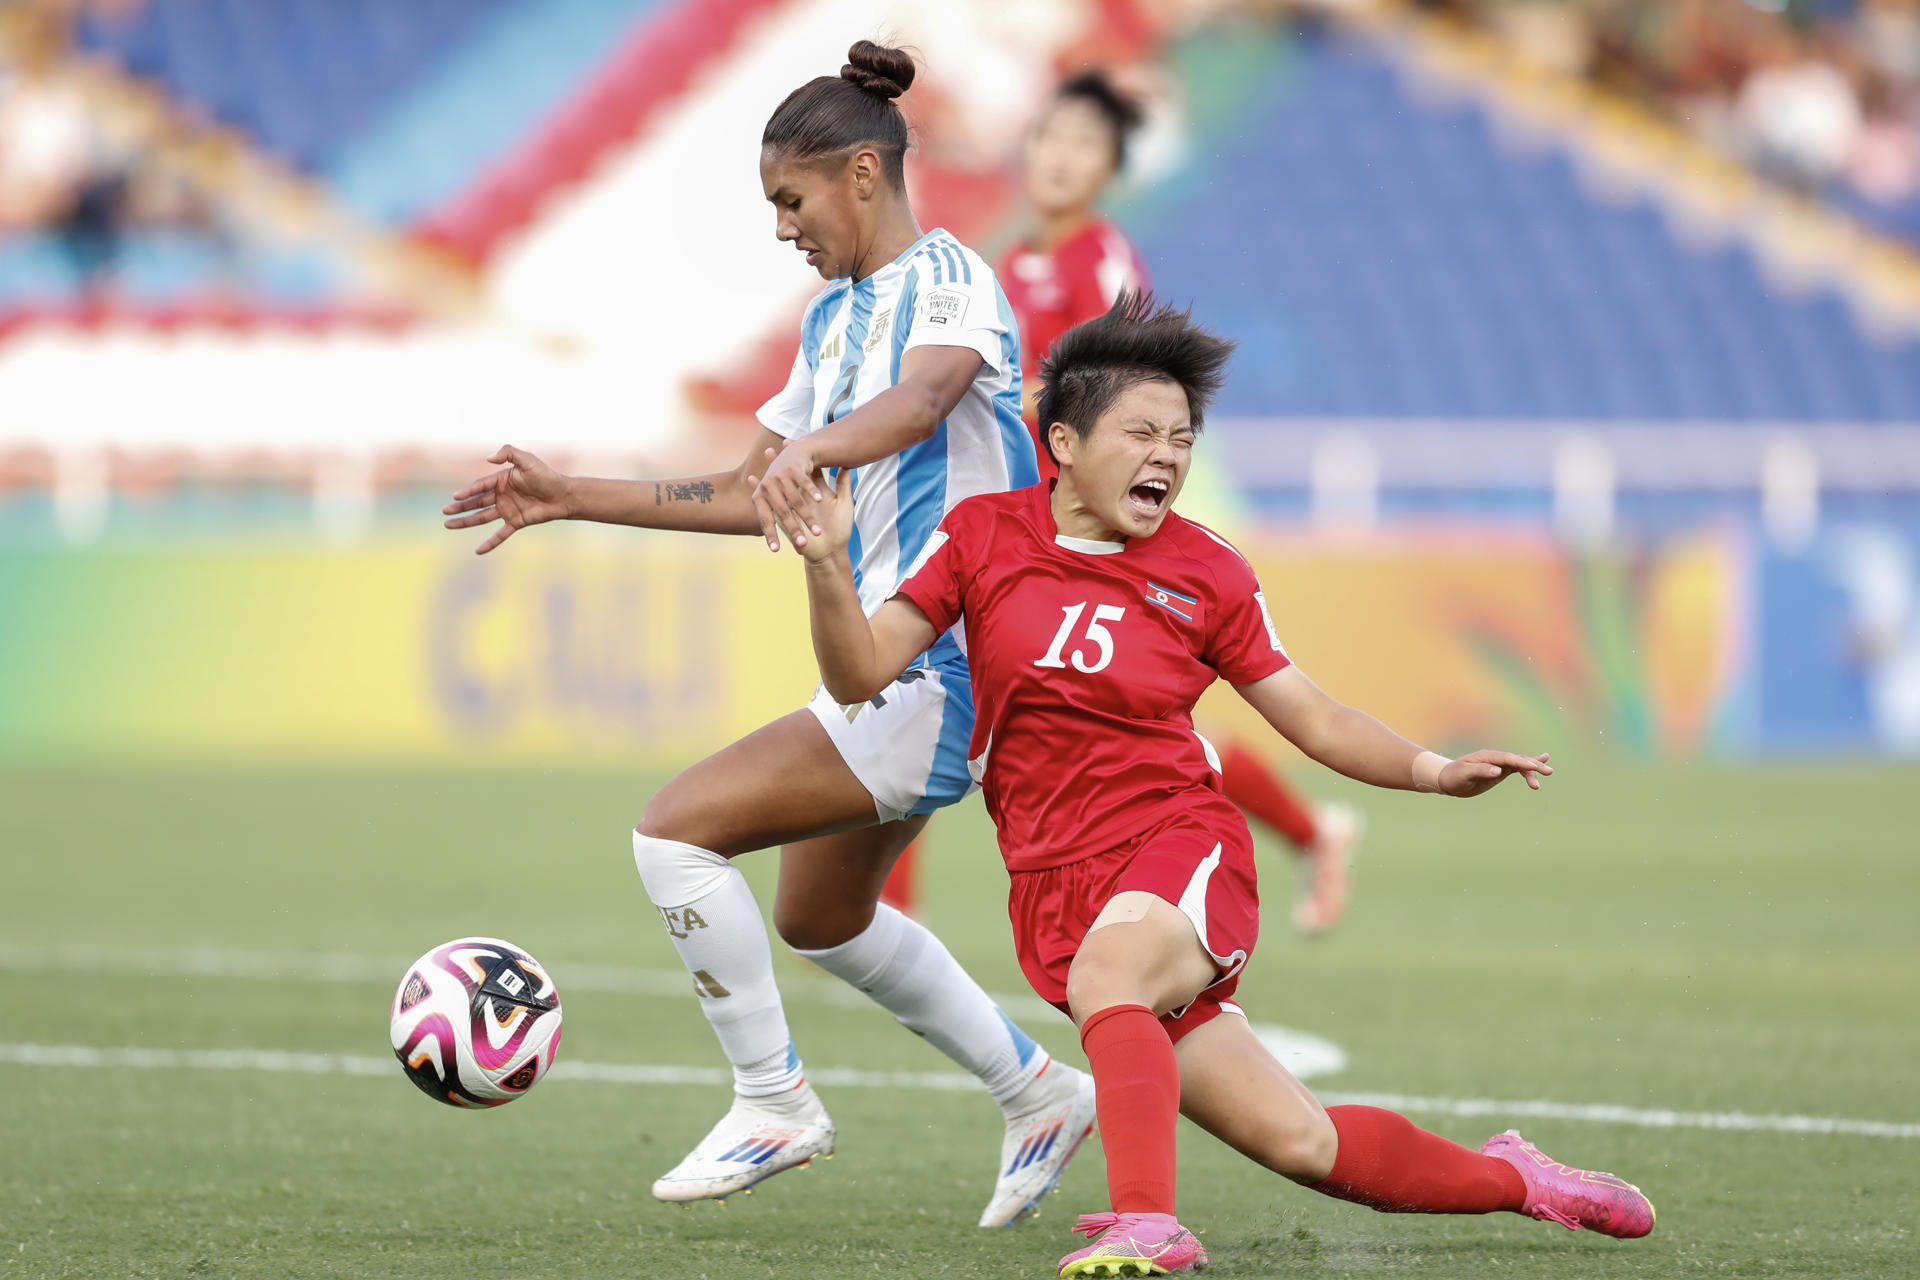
(1097,633)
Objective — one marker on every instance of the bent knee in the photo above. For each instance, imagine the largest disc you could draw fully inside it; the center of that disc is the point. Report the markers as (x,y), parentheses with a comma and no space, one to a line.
(664,817)
(677,813)
(676,874)
(1096,982)
(819,927)
(1305,1151)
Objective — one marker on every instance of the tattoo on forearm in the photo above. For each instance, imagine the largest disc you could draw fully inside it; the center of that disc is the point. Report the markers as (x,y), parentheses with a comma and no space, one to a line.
(696,491)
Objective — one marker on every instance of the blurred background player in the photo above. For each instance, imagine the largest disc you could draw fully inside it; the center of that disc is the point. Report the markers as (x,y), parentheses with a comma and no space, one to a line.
(1071,262)
(1068,267)
(907,383)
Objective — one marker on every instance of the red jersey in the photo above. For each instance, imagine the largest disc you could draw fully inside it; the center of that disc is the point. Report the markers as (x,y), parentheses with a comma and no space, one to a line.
(1086,661)
(1052,292)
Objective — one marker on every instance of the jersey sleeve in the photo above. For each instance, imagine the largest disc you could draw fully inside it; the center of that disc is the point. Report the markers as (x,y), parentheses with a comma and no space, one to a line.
(1242,644)
(790,413)
(935,581)
(961,310)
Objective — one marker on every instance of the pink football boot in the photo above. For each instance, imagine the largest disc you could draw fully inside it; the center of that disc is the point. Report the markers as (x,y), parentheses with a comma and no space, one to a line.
(1134,1244)
(1574,1198)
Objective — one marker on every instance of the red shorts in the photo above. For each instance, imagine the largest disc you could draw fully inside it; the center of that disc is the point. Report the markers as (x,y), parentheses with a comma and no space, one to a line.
(1206,871)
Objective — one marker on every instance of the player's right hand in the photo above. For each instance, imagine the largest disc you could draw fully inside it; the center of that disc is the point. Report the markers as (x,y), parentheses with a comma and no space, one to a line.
(785,494)
(524,491)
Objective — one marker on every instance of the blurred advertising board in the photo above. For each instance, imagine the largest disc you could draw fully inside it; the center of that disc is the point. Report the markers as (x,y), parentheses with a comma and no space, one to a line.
(579,647)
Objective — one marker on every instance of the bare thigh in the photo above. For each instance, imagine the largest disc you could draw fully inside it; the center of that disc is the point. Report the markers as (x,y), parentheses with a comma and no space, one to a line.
(1140,949)
(780,784)
(786,785)
(1231,1086)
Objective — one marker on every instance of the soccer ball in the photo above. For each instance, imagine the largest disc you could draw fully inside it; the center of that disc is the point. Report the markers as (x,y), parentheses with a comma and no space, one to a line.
(476,1022)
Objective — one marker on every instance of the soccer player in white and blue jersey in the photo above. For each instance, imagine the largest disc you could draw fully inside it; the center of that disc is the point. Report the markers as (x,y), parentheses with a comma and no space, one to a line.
(908,383)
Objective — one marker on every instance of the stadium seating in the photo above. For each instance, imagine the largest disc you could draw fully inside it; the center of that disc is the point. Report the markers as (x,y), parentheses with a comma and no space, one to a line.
(166,268)
(302,78)
(477,102)
(396,105)
(410,114)
(1407,262)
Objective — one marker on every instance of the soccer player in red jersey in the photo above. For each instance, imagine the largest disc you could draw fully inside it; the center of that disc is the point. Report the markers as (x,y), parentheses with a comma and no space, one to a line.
(1093,619)
(1068,269)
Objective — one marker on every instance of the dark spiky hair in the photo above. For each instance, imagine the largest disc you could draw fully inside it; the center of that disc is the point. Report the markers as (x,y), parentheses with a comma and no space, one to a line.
(1139,339)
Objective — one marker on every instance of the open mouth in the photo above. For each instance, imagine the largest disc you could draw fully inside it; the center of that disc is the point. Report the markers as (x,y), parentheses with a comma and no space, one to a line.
(813,257)
(1149,497)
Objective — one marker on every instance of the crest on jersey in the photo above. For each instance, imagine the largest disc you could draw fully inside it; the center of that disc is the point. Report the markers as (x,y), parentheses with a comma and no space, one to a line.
(881,323)
(945,307)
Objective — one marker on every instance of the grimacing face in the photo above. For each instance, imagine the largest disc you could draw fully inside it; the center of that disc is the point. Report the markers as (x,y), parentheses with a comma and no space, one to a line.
(816,208)
(1069,157)
(1129,469)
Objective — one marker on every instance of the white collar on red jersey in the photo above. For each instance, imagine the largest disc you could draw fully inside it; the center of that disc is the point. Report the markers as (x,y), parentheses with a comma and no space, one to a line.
(1090,546)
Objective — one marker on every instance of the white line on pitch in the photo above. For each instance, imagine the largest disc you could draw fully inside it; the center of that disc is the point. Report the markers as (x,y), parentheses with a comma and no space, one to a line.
(48,1055)
(1606,1113)
(286,966)
(1305,1054)
(347,1064)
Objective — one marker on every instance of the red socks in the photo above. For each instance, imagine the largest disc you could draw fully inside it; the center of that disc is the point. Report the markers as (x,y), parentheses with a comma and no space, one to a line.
(1136,1082)
(1387,1162)
(1258,790)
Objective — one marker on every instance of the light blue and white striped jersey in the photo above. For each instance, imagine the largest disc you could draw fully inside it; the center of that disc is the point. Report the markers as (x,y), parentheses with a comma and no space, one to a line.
(939,293)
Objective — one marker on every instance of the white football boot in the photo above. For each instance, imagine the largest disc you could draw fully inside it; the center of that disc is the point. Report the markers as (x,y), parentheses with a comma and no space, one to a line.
(758,1138)
(1046,1123)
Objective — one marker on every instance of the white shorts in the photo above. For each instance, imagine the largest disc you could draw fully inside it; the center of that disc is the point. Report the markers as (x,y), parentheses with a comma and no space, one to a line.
(908,743)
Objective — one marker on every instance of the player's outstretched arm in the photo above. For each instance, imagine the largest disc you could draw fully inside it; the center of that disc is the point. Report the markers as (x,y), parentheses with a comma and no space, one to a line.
(526,491)
(1352,742)
(858,656)
(932,380)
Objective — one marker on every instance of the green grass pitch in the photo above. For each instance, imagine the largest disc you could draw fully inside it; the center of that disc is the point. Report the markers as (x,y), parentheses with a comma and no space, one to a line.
(1700,939)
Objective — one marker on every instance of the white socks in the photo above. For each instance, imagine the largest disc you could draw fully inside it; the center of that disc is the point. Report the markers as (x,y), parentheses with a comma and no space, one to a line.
(911,975)
(715,925)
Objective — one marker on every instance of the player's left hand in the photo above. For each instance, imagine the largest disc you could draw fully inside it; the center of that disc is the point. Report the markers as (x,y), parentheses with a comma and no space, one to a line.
(1485,770)
(787,497)
(835,529)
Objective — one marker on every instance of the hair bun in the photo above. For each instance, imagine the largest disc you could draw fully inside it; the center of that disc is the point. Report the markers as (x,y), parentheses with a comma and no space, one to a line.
(878,70)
